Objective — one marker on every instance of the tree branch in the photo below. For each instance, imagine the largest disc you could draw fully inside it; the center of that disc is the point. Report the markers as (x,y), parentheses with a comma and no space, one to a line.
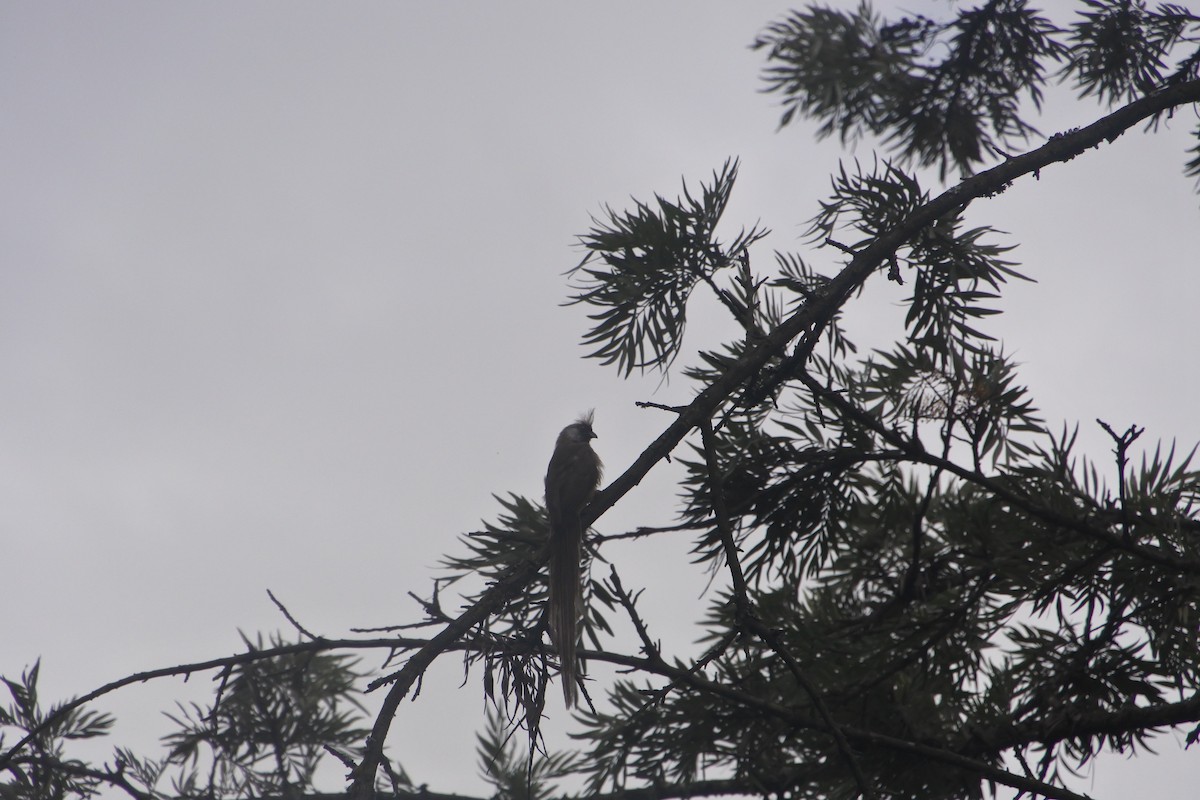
(1060,148)
(798,719)
(1102,723)
(917,453)
(747,617)
(112,776)
(226,662)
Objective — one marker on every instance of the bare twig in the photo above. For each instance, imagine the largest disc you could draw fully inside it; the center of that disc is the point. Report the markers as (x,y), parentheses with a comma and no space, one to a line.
(1123,441)
(660,406)
(283,609)
(647,530)
(651,649)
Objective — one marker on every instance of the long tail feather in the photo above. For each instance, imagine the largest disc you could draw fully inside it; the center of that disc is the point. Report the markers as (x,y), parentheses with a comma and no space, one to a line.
(566,538)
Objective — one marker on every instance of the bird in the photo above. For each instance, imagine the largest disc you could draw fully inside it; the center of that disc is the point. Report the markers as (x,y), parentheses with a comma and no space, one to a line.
(571,481)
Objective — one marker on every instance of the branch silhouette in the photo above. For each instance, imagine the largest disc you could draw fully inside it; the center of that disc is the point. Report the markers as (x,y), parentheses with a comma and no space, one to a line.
(815,313)
(812,316)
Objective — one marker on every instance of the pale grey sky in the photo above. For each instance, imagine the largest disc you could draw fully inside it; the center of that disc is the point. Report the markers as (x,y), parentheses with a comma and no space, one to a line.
(280,308)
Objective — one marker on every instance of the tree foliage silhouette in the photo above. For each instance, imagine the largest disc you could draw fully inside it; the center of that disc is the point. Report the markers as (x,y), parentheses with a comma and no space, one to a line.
(917,583)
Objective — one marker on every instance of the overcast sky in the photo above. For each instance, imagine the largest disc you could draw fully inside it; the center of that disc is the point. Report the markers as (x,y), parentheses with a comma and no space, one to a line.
(280,308)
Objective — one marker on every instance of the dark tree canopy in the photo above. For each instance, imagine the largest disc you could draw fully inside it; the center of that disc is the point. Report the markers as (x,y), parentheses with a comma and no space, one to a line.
(917,583)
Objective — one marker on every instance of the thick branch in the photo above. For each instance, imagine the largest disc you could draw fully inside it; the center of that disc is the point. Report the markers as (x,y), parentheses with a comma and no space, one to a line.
(1061,148)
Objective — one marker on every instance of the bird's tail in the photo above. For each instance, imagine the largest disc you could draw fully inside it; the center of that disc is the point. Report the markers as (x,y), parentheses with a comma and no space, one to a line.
(566,589)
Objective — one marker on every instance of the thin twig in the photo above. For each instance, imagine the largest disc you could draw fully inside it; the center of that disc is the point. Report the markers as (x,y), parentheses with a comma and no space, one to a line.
(1123,441)
(660,406)
(648,530)
(651,648)
(303,631)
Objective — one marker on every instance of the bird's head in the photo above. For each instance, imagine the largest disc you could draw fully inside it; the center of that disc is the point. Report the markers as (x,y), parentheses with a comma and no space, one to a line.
(580,430)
